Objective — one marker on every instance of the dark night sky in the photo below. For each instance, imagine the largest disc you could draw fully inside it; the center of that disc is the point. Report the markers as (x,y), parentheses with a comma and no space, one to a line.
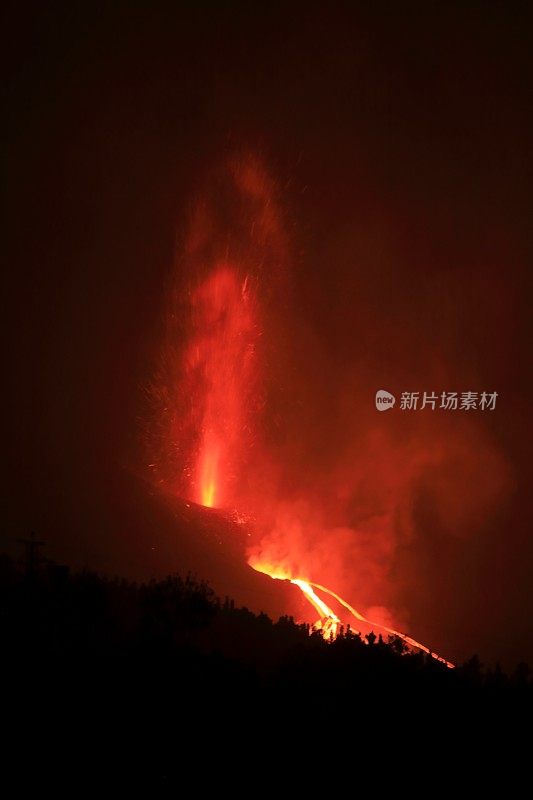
(400,135)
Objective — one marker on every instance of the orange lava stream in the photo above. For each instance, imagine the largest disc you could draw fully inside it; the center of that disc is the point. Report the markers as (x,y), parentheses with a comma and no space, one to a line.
(329,622)
(408,639)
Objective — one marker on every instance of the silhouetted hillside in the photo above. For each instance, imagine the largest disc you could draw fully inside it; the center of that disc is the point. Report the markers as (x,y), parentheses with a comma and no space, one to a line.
(123,525)
(138,665)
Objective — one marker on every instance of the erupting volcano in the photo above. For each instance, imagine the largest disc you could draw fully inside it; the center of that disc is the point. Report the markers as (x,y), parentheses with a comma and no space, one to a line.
(212,393)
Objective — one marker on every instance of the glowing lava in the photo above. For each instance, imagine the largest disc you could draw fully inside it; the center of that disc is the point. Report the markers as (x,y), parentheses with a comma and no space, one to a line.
(209,464)
(219,365)
(329,622)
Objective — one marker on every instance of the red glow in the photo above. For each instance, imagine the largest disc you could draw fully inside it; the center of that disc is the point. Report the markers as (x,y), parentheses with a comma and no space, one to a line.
(316,524)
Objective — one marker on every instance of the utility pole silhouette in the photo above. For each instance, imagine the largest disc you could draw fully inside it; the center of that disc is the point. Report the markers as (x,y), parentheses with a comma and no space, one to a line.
(31,553)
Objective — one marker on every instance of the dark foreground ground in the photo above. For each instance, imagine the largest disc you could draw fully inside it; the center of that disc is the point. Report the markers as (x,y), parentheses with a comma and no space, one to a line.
(111,683)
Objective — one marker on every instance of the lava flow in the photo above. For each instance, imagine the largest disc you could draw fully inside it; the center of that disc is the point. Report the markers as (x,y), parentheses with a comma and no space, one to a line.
(212,398)
(329,622)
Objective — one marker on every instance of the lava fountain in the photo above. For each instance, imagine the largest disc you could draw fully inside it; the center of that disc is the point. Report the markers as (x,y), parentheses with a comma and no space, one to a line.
(220,361)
